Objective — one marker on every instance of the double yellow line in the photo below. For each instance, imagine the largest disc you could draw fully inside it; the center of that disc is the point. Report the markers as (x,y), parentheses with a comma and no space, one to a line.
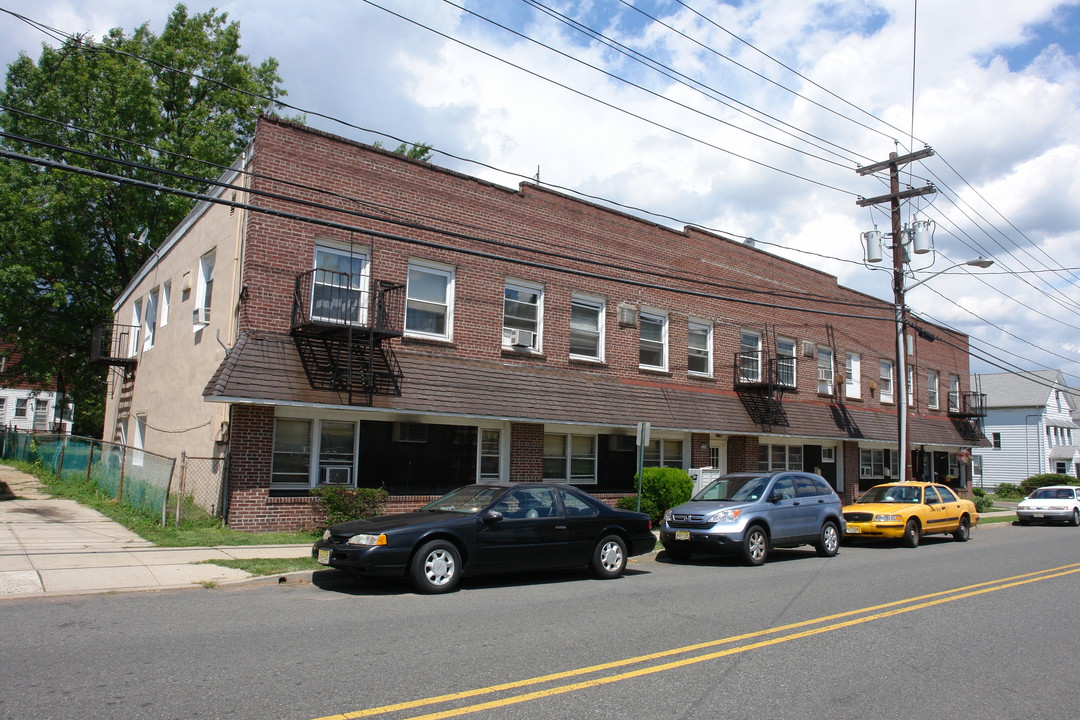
(771,636)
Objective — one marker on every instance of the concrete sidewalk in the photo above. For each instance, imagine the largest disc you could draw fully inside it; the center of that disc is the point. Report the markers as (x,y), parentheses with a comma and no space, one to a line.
(50,546)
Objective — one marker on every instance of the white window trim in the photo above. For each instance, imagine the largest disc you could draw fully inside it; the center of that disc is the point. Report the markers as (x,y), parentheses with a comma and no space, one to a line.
(450,272)
(826,380)
(883,395)
(150,319)
(315,450)
(754,347)
(600,306)
(568,458)
(695,323)
(350,252)
(794,361)
(852,375)
(529,287)
(933,389)
(204,279)
(661,317)
(136,328)
(166,297)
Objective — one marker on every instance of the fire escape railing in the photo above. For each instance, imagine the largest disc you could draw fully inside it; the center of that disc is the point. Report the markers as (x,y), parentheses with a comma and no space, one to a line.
(113,344)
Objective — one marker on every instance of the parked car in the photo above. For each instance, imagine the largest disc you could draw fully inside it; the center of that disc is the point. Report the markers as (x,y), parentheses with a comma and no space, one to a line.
(1054,502)
(751,513)
(906,511)
(501,528)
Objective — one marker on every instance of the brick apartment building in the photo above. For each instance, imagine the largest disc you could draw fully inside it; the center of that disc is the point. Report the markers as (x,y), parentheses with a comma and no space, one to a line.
(339,315)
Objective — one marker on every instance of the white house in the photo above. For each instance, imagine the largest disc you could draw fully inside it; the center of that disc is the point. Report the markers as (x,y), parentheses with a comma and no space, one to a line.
(1030,427)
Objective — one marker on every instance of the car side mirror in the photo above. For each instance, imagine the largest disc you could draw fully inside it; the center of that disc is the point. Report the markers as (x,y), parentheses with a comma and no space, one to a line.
(492,516)
(775,496)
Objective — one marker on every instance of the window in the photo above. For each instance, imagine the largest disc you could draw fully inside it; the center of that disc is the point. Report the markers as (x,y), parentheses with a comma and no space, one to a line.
(21,405)
(313,452)
(873,463)
(586,328)
(570,458)
(339,286)
(292,452)
(3,410)
(785,362)
(977,466)
(932,398)
(204,291)
(663,453)
(825,370)
(429,301)
(780,457)
(166,297)
(150,320)
(852,375)
(337,448)
(489,454)
(139,440)
(699,348)
(954,393)
(749,356)
(996,440)
(136,328)
(885,380)
(910,386)
(575,505)
(653,342)
(522,312)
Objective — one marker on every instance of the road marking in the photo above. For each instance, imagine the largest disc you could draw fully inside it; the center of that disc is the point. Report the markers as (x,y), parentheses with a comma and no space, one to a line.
(868,614)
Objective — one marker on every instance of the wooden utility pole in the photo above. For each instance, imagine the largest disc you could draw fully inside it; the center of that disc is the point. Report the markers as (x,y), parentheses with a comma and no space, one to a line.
(894,196)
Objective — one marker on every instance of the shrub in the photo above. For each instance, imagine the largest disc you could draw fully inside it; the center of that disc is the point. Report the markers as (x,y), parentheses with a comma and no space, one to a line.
(1035,482)
(983,503)
(661,488)
(338,505)
(1008,490)
(978,492)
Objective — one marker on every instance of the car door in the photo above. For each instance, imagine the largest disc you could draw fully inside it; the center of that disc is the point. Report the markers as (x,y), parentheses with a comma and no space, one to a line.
(954,508)
(789,515)
(583,526)
(937,513)
(530,534)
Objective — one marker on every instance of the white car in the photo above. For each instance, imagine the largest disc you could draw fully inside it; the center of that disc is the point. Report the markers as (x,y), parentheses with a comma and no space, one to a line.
(1054,502)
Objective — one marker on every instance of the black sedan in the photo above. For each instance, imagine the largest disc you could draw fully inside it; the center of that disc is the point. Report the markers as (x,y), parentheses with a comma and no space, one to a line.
(480,529)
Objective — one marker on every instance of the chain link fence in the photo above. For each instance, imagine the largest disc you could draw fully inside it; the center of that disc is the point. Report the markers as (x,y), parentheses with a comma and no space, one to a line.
(141,479)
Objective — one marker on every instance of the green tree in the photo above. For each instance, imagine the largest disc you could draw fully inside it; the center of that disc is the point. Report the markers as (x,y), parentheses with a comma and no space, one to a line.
(70,242)
(413,151)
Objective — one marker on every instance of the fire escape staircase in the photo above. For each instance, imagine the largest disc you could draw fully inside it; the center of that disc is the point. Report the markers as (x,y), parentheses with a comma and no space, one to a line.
(759,384)
(967,411)
(342,334)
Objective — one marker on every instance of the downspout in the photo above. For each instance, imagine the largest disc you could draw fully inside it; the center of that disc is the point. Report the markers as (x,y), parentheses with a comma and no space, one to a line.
(1027,447)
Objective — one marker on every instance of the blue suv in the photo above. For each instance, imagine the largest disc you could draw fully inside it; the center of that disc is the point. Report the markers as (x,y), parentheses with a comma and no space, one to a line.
(751,513)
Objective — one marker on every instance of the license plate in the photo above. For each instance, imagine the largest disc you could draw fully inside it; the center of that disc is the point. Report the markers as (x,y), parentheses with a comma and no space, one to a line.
(1038,515)
(682,534)
(324,557)
(852,530)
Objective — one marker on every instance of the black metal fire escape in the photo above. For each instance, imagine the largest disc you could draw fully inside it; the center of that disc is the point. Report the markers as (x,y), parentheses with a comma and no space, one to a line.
(342,333)
(967,410)
(760,382)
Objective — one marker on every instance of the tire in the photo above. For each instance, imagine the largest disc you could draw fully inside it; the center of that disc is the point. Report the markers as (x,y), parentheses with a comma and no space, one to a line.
(1075,519)
(609,558)
(828,543)
(963,530)
(1024,521)
(436,567)
(755,545)
(911,534)
(677,556)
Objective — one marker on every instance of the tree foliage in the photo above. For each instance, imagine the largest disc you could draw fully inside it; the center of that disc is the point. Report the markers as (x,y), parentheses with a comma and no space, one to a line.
(70,242)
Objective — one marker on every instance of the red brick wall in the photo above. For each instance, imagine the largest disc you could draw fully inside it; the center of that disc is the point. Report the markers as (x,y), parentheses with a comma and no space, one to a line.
(526,452)
(850,468)
(742,454)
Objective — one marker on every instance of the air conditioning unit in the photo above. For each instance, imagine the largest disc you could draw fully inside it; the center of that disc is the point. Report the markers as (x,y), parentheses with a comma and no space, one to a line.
(824,374)
(522,338)
(200,316)
(865,472)
(809,349)
(338,475)
(627,314)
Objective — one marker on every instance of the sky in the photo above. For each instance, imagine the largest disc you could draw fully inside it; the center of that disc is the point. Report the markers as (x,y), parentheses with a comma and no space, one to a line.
(747,117)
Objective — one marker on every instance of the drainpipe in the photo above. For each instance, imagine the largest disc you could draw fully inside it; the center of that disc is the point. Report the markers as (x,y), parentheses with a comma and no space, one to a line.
(1027,448)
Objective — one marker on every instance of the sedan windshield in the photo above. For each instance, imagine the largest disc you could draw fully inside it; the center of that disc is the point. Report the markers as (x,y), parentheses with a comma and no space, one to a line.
(744,489)
(891,494)
(1052,494)
(468,499)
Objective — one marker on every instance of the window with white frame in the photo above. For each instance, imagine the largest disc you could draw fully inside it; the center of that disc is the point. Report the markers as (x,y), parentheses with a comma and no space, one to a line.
(874,462)
(204,290)
(166,299)
(699,348)
(523,310)
(313,452)
(911,386)
(340,285)
(780,457)
(825,370)
(785,362)
(488,455)
(663,453)
(22,407)
(137,457)
(954,393)
(885,381)
(852,375)
(653,330)
(586,327)
(150,319)
(570,458)
(429,301)
(749,356)
(136,328)
(932,398)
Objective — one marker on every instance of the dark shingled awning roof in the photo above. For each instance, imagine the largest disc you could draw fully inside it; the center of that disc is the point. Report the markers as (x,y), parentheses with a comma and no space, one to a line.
(265,368)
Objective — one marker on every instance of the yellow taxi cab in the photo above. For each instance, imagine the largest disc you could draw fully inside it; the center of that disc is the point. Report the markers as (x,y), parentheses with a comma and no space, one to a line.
(906,511)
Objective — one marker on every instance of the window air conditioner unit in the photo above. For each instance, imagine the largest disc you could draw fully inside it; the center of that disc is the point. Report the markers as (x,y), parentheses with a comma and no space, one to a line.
(628,315)
(809,349)
(337,475)
(200,316)
(824,375)
(522,338)
(865,471)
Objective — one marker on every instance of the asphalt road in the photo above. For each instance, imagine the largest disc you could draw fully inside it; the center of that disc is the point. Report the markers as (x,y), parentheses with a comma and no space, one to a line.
(982,629)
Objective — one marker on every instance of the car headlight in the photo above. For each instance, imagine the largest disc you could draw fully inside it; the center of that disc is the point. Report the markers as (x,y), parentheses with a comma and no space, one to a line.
(367,540)
(725,516)
(888,518)
(667,515)
(326,534)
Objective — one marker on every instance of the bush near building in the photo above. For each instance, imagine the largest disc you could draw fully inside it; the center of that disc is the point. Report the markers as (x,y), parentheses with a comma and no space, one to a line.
(661,488)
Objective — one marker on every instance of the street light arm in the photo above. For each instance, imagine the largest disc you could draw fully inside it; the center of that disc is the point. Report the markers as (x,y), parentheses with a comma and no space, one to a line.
(978,262)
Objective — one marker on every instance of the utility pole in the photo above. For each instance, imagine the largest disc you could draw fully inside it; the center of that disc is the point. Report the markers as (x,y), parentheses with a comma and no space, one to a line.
(894,196)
